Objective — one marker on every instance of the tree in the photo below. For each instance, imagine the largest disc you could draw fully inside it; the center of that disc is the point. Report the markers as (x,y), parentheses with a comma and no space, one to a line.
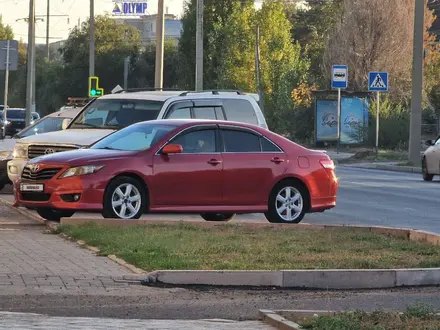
(375,35)
(142,73)
(282,66)
(311,27)
(6,32)
(237,64)
(216,14)
(113,42)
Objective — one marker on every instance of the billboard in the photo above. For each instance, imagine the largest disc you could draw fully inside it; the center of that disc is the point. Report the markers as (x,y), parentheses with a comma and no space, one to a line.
(354,116)
(129,8)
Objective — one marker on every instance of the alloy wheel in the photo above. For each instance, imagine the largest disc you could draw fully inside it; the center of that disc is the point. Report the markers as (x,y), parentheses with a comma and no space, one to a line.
(289,203)
(126,201)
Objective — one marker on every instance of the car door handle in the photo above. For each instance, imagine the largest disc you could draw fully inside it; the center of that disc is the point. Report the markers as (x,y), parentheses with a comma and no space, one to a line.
(277,160)
(214,162)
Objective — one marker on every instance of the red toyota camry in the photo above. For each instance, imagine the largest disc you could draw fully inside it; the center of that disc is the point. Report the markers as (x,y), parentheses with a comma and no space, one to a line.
(214,168)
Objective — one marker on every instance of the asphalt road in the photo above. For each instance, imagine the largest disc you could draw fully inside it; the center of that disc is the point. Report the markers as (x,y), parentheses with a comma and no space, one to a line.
(365,197)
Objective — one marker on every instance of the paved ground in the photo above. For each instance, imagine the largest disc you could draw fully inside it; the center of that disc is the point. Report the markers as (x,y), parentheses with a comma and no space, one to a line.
(35,321)
(366,197)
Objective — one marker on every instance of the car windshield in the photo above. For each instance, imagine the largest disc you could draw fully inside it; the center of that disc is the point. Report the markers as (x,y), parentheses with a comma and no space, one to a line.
(135,138)
(44,125)
(15,114)
(116,113)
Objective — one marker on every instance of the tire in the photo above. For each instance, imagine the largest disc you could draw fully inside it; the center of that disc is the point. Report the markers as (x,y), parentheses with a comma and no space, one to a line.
(298,205)
(426,176)
(115,206)
(54,215)
(208,216)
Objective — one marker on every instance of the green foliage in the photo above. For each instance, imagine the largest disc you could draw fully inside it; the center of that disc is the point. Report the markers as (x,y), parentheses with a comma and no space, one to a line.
(282,66)
(5,31)
(113,42)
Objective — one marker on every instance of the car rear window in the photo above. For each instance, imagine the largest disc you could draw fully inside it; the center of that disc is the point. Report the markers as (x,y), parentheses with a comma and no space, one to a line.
(16,114)
(240,110)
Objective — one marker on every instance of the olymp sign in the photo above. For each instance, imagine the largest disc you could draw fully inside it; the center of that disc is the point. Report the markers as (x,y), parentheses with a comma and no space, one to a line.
(131,8)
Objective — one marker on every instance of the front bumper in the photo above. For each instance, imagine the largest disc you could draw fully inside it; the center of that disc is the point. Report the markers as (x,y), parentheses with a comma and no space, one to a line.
(15,168)
(59,194)
(4,179)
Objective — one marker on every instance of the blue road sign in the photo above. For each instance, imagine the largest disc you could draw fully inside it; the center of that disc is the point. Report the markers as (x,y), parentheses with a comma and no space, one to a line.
(378,81)
(339,76)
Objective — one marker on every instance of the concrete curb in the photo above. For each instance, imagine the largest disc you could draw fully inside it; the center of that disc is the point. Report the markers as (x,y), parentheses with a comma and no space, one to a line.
(274,319)
(384,167)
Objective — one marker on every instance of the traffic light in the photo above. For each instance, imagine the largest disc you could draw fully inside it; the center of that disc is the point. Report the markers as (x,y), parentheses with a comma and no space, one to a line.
(94,90)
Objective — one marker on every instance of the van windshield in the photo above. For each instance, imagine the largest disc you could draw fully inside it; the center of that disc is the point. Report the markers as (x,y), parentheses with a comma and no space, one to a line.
(116,113)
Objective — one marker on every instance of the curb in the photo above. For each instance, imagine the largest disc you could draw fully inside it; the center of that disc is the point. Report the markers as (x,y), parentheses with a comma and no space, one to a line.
(383,167)
(277,321)
(331,279)
(112,257)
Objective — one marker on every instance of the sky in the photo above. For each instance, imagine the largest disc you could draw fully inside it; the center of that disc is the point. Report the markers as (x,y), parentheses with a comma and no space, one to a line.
(13,10)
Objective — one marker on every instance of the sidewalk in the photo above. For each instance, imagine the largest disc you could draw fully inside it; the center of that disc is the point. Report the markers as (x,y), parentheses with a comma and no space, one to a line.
(31,259)
(36,321)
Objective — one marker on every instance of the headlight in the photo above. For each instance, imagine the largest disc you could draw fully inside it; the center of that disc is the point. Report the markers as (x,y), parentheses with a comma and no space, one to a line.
(5,154)
(81,170)
(20,151)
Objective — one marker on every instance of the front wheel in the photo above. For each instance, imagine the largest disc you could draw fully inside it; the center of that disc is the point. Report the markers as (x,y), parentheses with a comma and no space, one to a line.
(287,203)
(124,198)
(425,174)
(54,215)
(217,216)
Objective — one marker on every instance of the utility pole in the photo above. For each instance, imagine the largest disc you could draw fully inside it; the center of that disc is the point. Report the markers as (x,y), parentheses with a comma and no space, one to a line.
(34,62)
(30,60)
(92,39)
(415,133)
(257,67)
(47,29)
(160,39)
(5,101)
(126,68)
(199,46)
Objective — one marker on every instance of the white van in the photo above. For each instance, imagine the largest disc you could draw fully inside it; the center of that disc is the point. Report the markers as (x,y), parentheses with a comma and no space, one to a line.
(111,112)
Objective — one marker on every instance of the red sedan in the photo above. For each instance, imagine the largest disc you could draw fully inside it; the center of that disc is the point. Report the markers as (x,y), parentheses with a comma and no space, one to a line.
(214,168)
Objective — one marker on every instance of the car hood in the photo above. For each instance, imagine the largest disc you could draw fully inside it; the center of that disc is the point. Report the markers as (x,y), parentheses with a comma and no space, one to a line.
(83,156)
(79,137)
(7,144)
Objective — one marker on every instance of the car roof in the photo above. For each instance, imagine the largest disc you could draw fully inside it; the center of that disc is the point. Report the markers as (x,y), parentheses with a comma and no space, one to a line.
(165,95)
(195,122)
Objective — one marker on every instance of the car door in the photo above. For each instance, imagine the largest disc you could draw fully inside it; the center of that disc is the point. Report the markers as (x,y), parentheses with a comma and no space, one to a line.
(192,177)
(250,165)
(433,158)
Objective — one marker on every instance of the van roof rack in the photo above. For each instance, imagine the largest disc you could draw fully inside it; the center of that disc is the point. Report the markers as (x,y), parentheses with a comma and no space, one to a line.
(214,91)
(146,89)
(77,101)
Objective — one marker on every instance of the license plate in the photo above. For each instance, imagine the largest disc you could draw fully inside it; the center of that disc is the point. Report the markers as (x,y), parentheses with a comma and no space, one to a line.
(31,187)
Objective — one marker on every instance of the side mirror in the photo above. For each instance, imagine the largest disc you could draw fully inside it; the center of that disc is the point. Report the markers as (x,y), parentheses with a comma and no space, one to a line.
(172,149)
(65,123)
(429,143)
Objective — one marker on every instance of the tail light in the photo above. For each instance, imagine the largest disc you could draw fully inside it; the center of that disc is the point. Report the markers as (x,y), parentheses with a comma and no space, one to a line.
(327,164)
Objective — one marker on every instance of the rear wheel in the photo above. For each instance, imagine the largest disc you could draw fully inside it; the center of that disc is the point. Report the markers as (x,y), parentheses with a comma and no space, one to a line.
(425,174)
(124,198)
(217,216)
(54,215)
(287,203)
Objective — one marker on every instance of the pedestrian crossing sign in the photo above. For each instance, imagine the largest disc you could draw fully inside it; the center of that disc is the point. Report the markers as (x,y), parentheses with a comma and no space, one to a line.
(378,81)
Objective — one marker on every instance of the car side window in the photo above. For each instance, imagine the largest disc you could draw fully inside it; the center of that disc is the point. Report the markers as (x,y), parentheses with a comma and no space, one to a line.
(437,143)
(197,142)
(240,141)
(269,146)
(180,113)
(240,111)
(204,113)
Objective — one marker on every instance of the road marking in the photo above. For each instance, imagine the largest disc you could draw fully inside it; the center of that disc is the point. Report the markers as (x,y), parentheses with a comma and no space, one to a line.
(9,223)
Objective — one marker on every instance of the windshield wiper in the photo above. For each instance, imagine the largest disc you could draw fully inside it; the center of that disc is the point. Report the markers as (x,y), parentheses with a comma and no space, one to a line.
(109,148)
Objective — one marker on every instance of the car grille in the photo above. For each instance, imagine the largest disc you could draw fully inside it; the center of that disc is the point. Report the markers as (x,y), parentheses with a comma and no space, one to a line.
(17,125)
(43,175)
(35,196)
(40,150)
(3,173)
